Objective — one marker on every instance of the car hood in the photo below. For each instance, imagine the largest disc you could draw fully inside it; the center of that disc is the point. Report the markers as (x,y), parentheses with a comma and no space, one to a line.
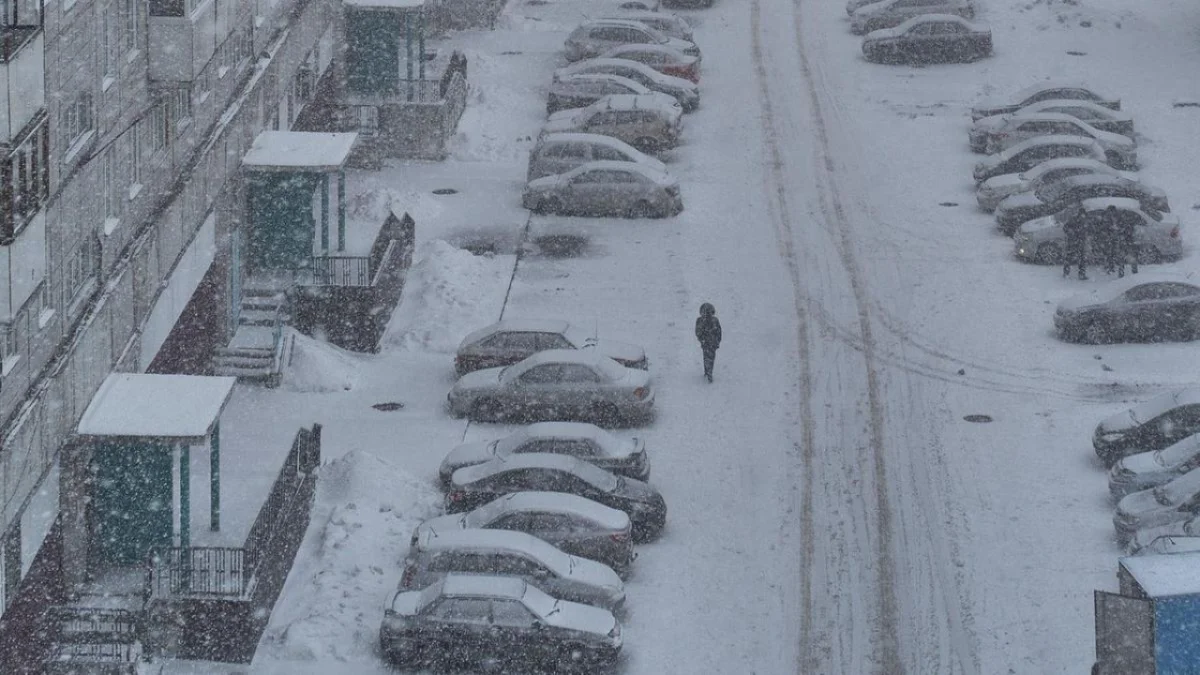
(576,616)
(1145,536)
(622,351)
(562,121)
(990,123)
(681,45)
(595,574)
(880,34)
(404,603)
(1139,505)
(488,377)
(988,163)
(1023,200)
(543,183)
(1080,302)
(1007,183)
(467,454)
(1142,463)
(1118,423)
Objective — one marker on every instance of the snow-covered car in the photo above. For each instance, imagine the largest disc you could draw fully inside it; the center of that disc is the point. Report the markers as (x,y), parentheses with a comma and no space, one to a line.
(556,384)
(573,524)
(606,188)
(1178,500)
(624,456)
(1043,91)
(467,618)
(671,25)
(593,38)
(1147,470)
(559,153)
(664,59)
(929,38)
(993,190)
(579,91)
(649,123)
(1104,119)
(890,13)
(475,485)
(1143,309)
(854,5)
(1180,536)
(1028,154)
(1043,240)
(683,91)
(512,340)
(1008,130)
(1150,425)
(565,576)
(1011,212)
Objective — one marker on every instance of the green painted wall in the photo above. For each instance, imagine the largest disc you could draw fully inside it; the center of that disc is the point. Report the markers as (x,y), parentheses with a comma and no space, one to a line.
(281,219)
(131,500)
(373,44)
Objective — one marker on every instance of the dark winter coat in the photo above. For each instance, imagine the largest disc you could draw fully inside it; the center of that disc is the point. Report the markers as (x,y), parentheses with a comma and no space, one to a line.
(708,332)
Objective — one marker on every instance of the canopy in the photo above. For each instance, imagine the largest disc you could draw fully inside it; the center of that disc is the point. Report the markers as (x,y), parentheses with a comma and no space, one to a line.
(299,151)
(1165,574)
(180,408)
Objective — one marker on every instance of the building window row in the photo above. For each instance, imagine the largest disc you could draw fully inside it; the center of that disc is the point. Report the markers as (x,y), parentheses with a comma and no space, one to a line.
(76,120)
(20,13)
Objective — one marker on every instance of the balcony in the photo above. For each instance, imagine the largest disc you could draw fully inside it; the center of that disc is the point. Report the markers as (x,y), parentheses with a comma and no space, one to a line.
(22,78)
(183,37)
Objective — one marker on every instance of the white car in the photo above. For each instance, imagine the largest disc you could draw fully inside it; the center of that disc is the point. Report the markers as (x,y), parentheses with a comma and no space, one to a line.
(622,189)
(665,60)
(891,13)
(649,123)
(1104,119)
(1176,501)
(580,91)
(1147,470)
(993,190)
(683,91)
(559,153)
(671,25)
(1042,91)
(593,38)
(1181,536)
(1043,239)
(1030,153)
(1008,131)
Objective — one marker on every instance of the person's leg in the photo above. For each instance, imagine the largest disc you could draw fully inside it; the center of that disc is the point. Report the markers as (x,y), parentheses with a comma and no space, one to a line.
(1132,254)
(710,355)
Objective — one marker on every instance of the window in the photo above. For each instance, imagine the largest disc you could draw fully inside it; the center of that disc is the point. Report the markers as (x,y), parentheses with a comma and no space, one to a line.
(511,613)
(367,117)
(160,135)
(127,28)
(573,372)
(168,7)
(76,121)
(112,199)
(603,153)
(25,175)
(178,108)
(576,447)
(20,13)
(553,341)
(81,266)
(547,374)
(474,610)
(135,160)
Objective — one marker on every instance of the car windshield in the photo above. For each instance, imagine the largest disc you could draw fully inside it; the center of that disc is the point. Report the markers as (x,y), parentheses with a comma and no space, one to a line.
(597,477)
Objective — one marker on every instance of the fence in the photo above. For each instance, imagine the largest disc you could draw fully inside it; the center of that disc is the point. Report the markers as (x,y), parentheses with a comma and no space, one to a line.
(94,640)
(341,271)
(304,457)
(198,572)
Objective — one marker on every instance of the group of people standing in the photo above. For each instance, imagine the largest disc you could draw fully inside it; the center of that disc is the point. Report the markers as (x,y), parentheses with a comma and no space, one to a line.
(1114,241)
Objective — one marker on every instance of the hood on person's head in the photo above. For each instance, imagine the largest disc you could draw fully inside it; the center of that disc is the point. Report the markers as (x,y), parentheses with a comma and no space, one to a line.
(707,309)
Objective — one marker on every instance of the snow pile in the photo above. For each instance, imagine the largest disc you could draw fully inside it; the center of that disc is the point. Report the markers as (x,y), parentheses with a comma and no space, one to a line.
(316,366)
(1070,14)
(450,292)
(488,130)
(372,207)
(329,622)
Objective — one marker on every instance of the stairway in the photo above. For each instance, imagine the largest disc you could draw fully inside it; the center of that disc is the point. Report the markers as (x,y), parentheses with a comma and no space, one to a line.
(250,355)
(87,640)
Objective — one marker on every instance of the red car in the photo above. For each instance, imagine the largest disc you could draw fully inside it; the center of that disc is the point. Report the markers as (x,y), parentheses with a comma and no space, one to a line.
(662,58)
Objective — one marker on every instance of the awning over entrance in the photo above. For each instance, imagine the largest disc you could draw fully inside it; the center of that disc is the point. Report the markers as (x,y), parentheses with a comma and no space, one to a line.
(173,408)
(293,151)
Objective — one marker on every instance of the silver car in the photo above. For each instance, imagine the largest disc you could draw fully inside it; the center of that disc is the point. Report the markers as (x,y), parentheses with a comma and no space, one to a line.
(1180,536)
(568,577)
(671,25)
(1028,154)
(624,456)
(1156,235)
(1177,500)
(890,13)
(993,190)
(1104,119)
(506,342)
(1043,91)
(663,59)
(559,153)
(1150,425)
(1120,151)
(620,189)
(578,91)
(593,38)
(648,123)
(556,384)
(683,91)
(1147,470)
(573,524)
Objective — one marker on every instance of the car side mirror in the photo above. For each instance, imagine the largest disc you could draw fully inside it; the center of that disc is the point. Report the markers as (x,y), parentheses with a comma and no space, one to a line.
(537,625)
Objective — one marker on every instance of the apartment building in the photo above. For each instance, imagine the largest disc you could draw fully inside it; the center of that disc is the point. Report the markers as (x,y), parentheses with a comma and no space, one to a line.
(122,125)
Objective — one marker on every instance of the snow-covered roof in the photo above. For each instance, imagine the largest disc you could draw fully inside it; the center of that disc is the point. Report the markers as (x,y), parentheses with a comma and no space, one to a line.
(1165,575)
(1101,203)
(385,4)
(457,583)
(562,502)
(299,150)
(938,18)
(536,460)
(519,325)
(496,540)
(562,430)
(654,174)
(178,407)
(588,357)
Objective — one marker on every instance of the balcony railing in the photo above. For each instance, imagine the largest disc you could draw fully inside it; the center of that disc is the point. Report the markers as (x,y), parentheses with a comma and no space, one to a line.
(340,271)
(13,39)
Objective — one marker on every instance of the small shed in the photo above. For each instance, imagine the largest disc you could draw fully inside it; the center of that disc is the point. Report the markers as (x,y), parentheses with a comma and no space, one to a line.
(1152,624)
(141,429)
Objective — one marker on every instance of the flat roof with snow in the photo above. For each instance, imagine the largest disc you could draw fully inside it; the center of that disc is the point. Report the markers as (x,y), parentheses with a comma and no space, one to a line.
(385,4)
(180,407)
(1165,575)
(299,151)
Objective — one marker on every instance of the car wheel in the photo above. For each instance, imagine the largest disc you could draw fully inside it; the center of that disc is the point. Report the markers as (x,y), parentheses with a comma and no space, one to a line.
(549,205)
(1095,334)
(606,414)
(1150,255)
(646,144)
(1049,254)
(487,409)
(641,209)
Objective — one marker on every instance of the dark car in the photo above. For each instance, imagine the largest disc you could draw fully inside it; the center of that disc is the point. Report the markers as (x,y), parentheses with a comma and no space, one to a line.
(930,38)
(475,485)
(466,619)
(1138,309)
(1150,425)
(1028,154)
(1053,198)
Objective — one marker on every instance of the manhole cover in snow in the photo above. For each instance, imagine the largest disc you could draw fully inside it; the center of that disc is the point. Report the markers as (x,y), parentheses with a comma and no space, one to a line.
(978,419)
(948,204)
(389,406)
(445,191)
(511,52)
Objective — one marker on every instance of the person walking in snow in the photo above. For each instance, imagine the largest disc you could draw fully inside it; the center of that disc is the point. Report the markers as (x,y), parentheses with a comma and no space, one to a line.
(1075,230)
(708,332)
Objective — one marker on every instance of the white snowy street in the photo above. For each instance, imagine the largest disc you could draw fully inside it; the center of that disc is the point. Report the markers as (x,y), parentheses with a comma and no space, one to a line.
(829,510)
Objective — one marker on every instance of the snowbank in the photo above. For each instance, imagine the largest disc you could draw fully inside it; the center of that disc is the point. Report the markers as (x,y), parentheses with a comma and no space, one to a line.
(316,366)
(488,130)
(370,208)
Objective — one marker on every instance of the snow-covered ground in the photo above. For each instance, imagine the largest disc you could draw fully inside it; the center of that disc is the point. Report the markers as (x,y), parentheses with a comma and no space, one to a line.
(830,510)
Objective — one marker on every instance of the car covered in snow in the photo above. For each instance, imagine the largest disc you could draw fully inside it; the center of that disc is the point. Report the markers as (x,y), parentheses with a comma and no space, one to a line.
(1156,235)
(593,38)
(479,551)
(992,191)
(624,456)
(1011,212)
(475,485)
(559,153)
(1147,470)
(1008,130)
(579,91)
(1144,308)
(664,59)
(623,189)
(467,619)
(929,38)
(671,25)
(890,13)
(1042,91)
(1028,154)
(1104,119)
(561,384)
(649,123)
(1150,425)
(573,524)
(1180,536)
(1176,501)
(683,91)
(511,340)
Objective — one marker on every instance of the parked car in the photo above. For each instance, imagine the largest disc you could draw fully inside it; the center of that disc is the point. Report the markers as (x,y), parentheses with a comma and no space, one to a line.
(506,342)
(463,619)
(1028,154)
(665,60)
(1180,536)
(1147,470)
(558,384)
(593,38)
(522,555)
(890,13)
(1042,91)
(588,442)
(671,25)
(1149,425)
(559,153)
(688,3)
(1052,198)
(645,122)
(606,188)
(1042,240)
(579,91)
(683,91)
(929,38)
(573,524)
(854,5)
(1146,308)
(1176,501)
(1104,119)
(993,190)
(474,485)
(1120,151)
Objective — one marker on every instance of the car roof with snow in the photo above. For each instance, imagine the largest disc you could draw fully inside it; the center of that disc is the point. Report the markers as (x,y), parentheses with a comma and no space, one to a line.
(1067,163)
(516,325)
(602,77)
(623,23)
(648,48)
(480,585)
(1101,203)
(1078,103)
(1088,179)
(1034,89)
(584,137)
(562,430)
(1049,139)
(1036,115)
(937,18)
(579,67)
(535,460)
(494,540)
(562,502)
(586,357)
(1111,290)
(661,177)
